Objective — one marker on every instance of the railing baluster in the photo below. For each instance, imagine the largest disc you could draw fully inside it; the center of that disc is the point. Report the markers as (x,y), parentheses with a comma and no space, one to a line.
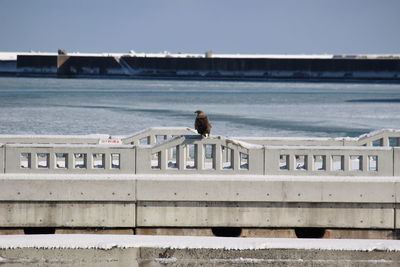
(217,157)
(200,156)
(180,156)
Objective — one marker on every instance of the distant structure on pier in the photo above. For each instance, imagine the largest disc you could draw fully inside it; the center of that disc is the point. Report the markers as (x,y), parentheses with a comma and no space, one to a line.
(206,66)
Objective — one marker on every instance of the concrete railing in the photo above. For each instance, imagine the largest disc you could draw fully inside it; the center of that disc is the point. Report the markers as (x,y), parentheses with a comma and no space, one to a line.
(57,158)
(186,181)
(168,151)
(335,161)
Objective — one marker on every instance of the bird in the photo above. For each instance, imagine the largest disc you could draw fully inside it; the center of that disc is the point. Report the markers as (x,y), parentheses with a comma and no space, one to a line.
(201,124)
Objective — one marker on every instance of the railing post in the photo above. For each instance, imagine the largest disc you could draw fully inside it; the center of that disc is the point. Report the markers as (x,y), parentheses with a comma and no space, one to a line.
(345,159)
(199,158)
(89,160)
(70,161)
(364,163)
(328,162)
(163,159)
(34,161)
(292,162)
(180,156)
(107,161)
(217,157)
(150,139)
(310,162)
(236,159)
(52,160)
(385,141)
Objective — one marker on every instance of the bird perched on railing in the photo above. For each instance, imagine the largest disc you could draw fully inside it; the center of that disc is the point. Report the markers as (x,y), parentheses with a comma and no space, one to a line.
(201,124)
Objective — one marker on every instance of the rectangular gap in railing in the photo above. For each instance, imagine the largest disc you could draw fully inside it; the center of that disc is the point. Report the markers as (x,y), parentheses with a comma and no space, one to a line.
(61,161)
(98,160)
(319,163)
(337,163)
(377,142)
(144,140)
(80,161)
(394,141)
(190,151)
(209,157)
(373,163)
(115,161)
(172,158)
(301,162)
(160,138)
(356,163)
(244,161)
(43,160)
(25,160)
(284,162)
(155,161)
(227,158)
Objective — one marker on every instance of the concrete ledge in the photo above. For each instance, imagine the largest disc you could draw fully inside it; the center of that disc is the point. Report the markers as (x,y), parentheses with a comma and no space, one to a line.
(123,250)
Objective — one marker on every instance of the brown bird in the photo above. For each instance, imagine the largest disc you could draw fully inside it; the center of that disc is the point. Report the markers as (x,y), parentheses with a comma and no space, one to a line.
(201,124)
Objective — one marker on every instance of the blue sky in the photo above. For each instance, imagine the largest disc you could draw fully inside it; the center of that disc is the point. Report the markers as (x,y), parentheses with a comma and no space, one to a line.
(189,26)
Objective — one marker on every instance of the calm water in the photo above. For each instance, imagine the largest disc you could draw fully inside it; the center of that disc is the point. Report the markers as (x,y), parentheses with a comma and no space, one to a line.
(119,107)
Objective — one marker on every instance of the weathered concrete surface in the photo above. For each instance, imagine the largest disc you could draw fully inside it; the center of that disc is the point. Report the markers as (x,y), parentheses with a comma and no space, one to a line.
(67,214)
(109,250)
(147,257)
(264,214)
(265,257)
(198,201)
(69,257)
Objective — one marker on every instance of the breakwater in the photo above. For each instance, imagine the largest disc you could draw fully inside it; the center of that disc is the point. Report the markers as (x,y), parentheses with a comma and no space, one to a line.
(206,67)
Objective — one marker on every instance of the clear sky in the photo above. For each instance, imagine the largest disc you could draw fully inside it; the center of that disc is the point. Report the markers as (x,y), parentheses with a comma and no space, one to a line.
(196,26)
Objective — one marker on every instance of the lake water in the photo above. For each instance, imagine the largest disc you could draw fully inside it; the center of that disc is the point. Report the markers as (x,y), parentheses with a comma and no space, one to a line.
(121,107)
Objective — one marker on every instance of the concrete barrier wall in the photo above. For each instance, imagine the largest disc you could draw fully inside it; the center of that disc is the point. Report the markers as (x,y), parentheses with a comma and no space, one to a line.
(45,200)
(252,201)
(72,201)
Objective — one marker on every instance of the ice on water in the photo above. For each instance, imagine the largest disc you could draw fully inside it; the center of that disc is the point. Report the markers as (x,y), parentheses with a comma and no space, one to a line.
(122,107)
